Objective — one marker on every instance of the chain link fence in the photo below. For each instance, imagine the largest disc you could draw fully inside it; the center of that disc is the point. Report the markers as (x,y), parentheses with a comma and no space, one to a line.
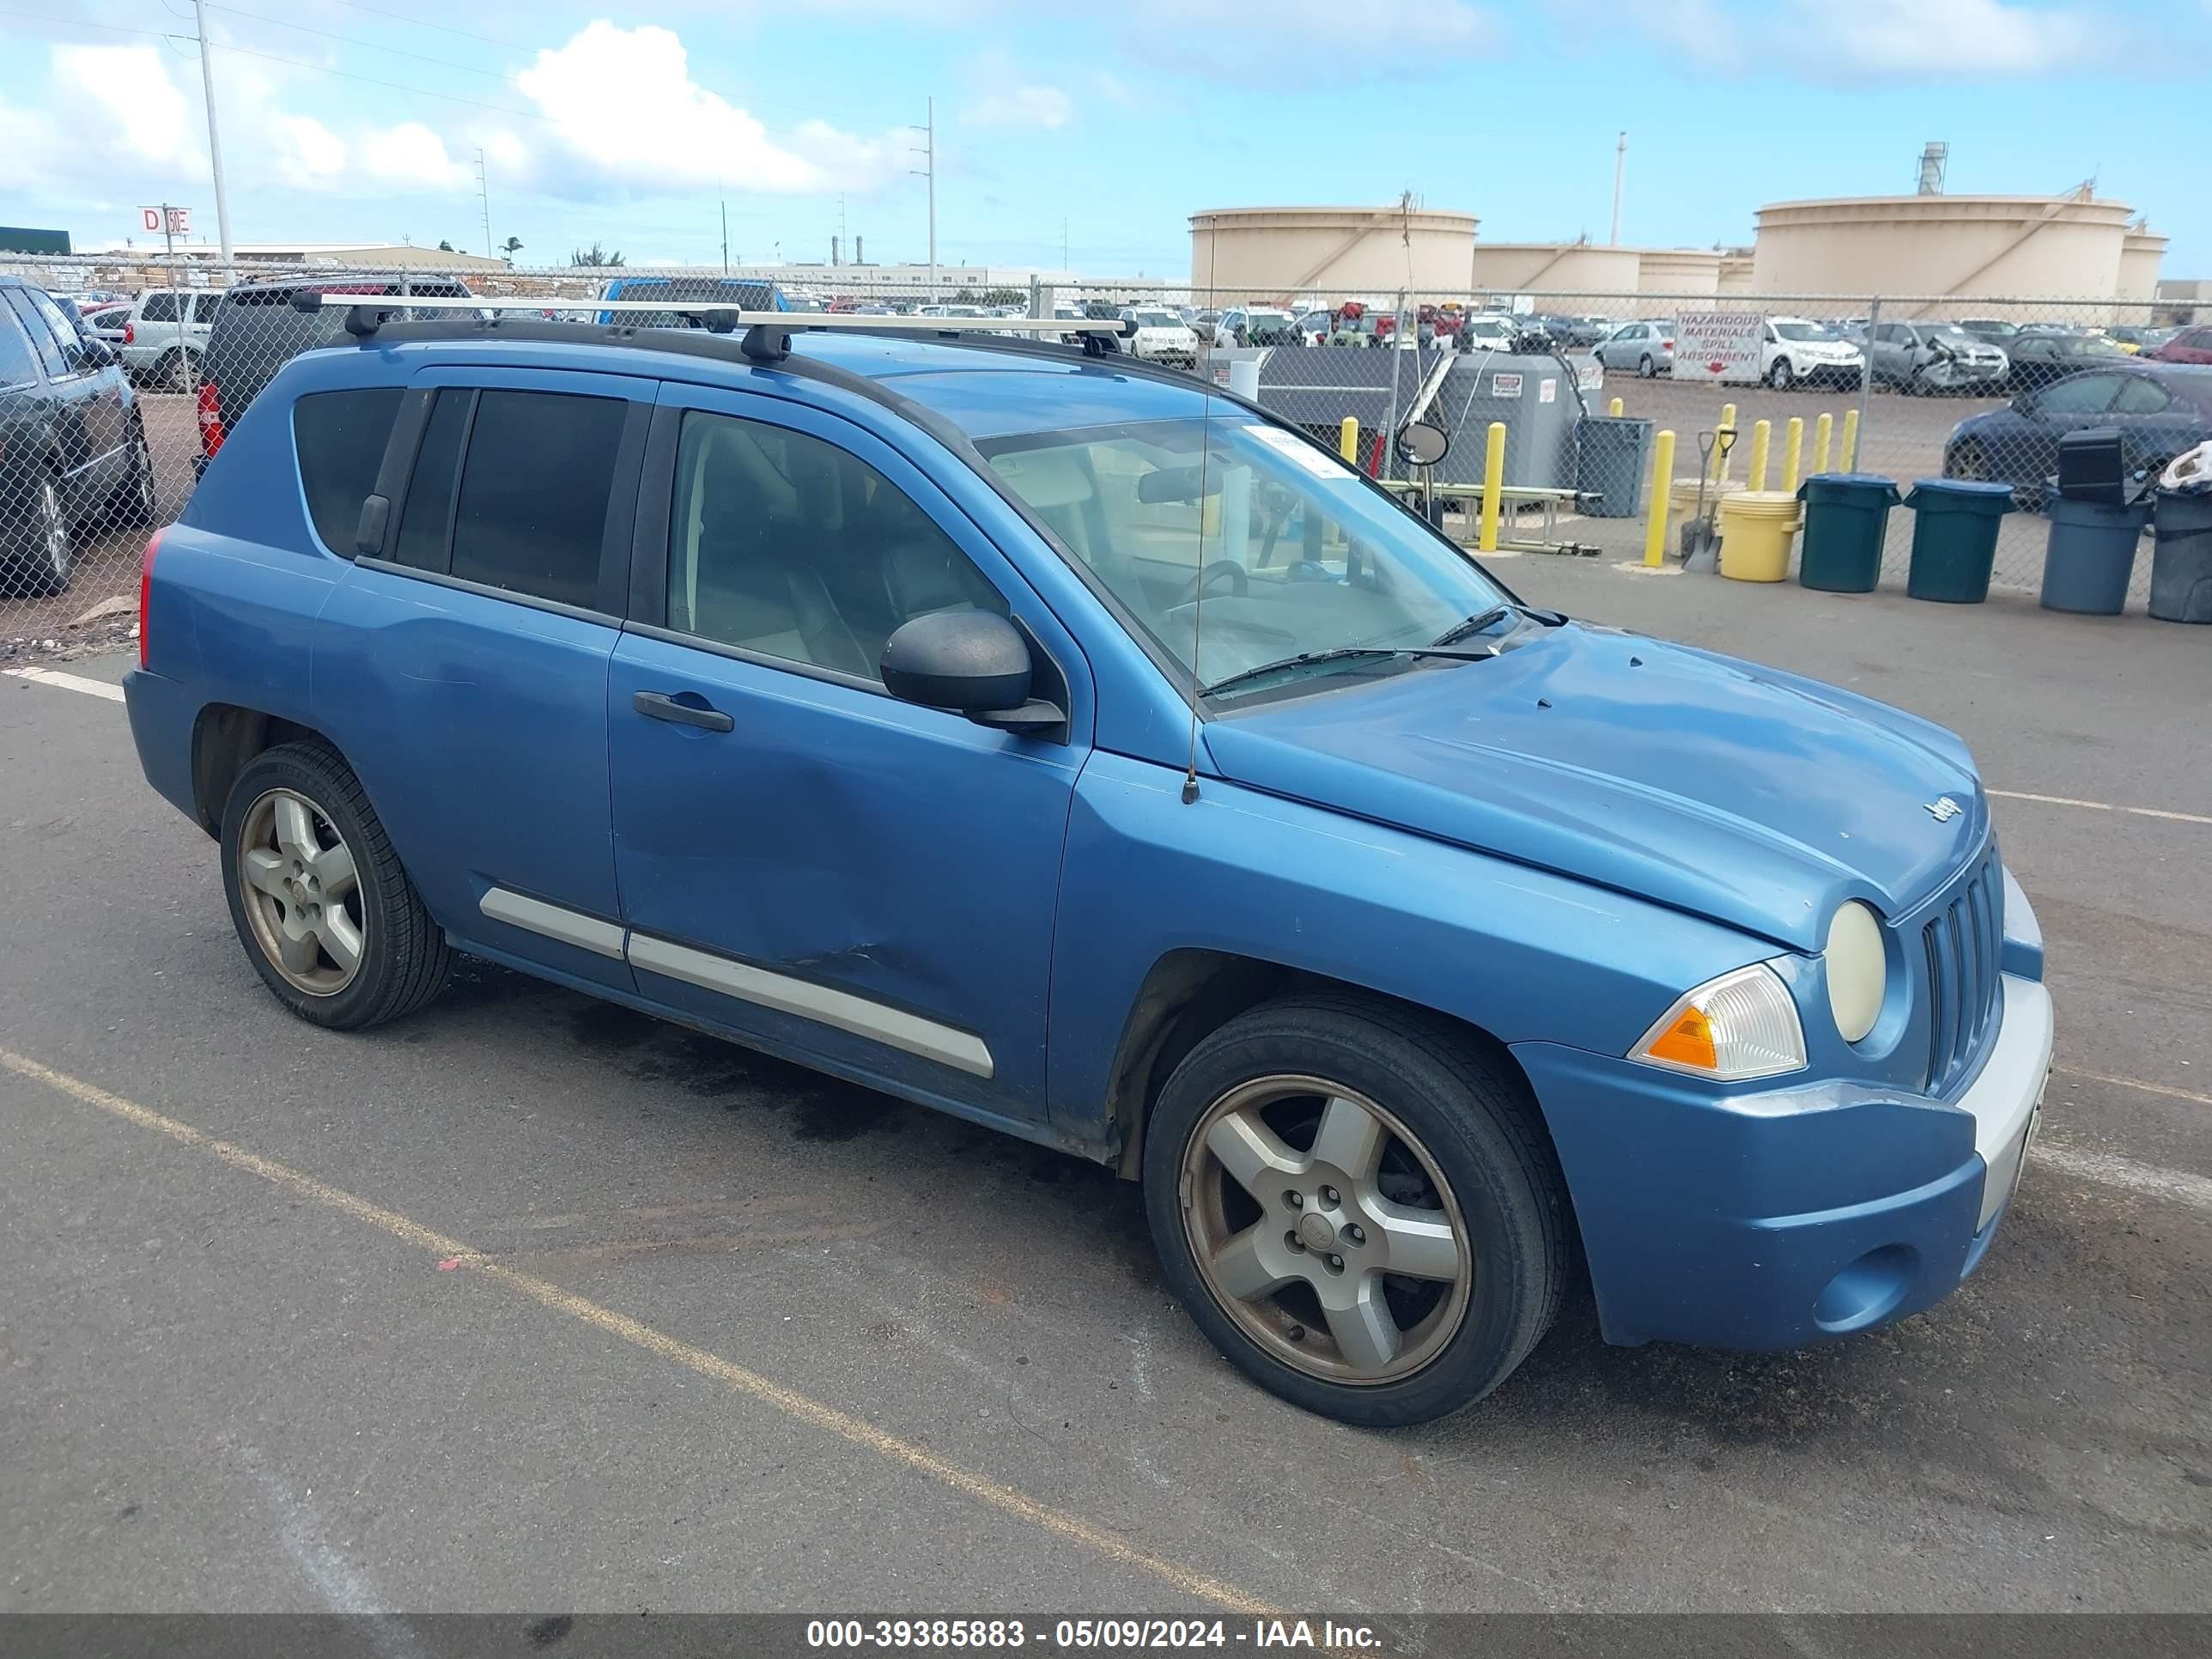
(118,378)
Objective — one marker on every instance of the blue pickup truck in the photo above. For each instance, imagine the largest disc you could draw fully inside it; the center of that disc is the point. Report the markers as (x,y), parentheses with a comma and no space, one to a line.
(1062,743)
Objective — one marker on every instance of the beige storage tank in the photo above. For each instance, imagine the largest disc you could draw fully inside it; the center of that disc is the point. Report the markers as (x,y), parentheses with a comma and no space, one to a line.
(1285,252)
(1554,267)
(2038,246)
(2141,250)
(1694,270)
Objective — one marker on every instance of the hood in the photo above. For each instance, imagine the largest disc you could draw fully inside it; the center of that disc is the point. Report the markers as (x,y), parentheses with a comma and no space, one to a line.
(1741,793)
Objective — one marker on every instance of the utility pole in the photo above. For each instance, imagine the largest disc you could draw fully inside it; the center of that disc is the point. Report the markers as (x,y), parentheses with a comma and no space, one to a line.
(1063,244)
(1620,167)
(215,143)
(726,235)
(928,170)
(483,196)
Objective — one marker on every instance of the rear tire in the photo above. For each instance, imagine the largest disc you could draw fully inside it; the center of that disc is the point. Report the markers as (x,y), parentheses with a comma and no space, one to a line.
(1645,369)
(1453,1177)
(327,916)
(137,501)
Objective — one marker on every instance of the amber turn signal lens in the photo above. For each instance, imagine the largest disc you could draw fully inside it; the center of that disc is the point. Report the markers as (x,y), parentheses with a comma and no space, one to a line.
(1687,1042)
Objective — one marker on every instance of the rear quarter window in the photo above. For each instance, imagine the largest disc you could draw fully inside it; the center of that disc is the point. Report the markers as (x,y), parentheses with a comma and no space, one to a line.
(341,438)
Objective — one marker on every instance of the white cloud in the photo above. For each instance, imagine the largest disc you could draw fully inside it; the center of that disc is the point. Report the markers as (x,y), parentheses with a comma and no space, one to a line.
(310,154)
(411,157)
(624,106)
(1955,40)
(1020,107)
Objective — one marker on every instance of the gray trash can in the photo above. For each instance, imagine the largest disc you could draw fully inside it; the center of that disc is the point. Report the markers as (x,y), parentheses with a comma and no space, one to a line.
(1611,459)
(2181,557)
(2091,558)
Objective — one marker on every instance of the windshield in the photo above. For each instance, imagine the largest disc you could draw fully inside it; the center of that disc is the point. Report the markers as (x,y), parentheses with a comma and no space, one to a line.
(1300,554)
(1158,319)
(1803,331)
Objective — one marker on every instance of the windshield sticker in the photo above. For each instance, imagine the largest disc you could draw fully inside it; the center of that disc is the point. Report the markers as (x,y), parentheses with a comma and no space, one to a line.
(1317,462)
(1505,386)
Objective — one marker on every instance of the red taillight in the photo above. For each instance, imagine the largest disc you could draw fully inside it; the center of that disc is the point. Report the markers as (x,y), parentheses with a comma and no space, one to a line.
(146,590)
(130,333)
(211,418)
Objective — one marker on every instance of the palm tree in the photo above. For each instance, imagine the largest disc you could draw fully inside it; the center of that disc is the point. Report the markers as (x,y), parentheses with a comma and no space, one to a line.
(594,255)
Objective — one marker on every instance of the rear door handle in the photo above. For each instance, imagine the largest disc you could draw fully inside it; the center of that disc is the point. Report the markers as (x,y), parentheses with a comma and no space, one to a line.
(658,706)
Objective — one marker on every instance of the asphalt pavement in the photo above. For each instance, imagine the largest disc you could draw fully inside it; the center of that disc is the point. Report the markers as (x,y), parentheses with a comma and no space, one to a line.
(530,1302)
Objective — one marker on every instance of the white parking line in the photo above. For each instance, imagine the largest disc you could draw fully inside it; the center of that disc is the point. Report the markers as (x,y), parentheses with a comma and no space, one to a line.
(2107,1170)
(62,682)
(2136,1084)
(2101,806)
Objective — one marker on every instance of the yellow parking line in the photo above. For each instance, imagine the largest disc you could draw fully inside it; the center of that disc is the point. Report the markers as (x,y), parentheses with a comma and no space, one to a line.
(2134,1083)
(2102,806)
(736,1379)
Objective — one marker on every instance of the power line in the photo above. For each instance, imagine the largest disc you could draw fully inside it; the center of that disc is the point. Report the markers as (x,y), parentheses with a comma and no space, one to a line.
(394,86)
(424,23)
(80,23)
(353,40)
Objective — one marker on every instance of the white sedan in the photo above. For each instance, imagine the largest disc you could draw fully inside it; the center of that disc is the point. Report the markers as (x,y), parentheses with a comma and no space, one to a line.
(1161,336)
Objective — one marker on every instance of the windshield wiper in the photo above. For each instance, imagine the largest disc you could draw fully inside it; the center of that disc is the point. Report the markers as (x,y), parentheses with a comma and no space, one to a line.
(1340,653)
(1496,614)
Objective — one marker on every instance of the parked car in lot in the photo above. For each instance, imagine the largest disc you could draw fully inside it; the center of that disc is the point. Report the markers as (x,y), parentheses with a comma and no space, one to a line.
(1256,325)
(2189,345)
(2161,411)
(1161,336)
(258,329)
(2144,340)
(107,321)
(1646,347)
(754,294)
(1798,351)
(1420,953)
(72,448)
(1930,357)
(2039,356)
(166,333)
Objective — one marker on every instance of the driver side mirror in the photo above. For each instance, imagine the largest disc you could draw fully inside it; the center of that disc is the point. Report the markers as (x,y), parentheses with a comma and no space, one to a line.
(972,663)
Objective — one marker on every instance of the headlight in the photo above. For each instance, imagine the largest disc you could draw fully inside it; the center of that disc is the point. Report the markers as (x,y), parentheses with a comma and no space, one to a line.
(1858,970)
(1743,1024)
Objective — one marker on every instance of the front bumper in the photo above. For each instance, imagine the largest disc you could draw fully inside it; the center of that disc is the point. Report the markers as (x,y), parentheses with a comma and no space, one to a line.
(1779,1218)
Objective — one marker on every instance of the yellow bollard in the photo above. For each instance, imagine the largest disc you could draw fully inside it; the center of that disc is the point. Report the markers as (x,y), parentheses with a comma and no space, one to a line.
(1655,521)
(1614,408)
(1720,441)
(1347,440)
(1824,433)
(1793,453)
(1850,450)
(1493,482)
(1762,433)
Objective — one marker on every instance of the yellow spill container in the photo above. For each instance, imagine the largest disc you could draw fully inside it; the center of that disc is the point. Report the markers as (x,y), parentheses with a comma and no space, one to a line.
(1682,503)
(1757,528)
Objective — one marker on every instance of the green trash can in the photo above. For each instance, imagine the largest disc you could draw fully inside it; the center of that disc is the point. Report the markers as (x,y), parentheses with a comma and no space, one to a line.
(1846,525)
(1954,538)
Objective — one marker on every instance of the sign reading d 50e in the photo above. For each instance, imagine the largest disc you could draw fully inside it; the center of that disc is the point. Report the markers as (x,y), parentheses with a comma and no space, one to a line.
(1719,345)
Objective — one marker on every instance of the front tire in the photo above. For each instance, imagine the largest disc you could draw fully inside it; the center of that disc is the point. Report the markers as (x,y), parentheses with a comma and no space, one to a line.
(1358,1207)
(1645,369)
(327,916)
(1781,375)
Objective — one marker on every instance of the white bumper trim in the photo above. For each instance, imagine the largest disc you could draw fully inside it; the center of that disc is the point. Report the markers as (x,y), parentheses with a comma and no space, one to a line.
(2003,1099)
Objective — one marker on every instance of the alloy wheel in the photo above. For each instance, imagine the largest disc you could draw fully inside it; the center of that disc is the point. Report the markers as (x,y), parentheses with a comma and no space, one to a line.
(53,534)
(1780,376)
(301,892)
(1325,1230)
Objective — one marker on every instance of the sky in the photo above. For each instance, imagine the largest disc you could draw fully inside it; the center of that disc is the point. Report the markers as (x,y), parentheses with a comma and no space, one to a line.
(1097,130)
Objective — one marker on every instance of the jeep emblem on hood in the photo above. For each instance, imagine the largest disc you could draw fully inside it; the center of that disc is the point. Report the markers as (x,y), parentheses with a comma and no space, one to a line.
(1943,809)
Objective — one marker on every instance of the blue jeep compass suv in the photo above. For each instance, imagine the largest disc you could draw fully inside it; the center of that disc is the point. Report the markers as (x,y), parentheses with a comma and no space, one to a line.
(1060,743)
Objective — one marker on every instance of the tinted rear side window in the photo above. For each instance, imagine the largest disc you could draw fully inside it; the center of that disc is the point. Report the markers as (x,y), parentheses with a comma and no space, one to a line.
(341,436)
(429,511)
(534,493)
(159,308)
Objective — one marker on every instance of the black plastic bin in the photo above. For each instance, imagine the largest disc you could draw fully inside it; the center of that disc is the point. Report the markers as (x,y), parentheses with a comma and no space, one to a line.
(1612,456)
(2181,556)
(1846,525)
(1954,538)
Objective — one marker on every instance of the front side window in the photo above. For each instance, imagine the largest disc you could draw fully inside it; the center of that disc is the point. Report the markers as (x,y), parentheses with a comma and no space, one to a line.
(42,337)
(59,325)
(17,366)
(1296,552)
(783,543)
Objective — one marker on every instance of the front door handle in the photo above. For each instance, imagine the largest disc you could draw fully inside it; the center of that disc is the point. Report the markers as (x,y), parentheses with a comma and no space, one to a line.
(658,706)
